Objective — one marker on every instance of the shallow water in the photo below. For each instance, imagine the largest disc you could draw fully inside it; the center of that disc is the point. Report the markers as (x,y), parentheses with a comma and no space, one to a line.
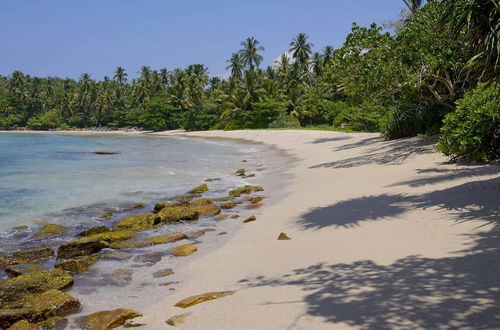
(42,175)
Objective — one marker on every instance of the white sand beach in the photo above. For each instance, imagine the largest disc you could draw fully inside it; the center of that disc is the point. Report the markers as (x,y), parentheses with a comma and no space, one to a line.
(383,234)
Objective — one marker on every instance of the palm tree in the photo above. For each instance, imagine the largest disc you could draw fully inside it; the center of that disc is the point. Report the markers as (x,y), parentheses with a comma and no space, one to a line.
(327,54)
(317,64)
(301,50)
(250,53)
(413,4)
(236,65)
(120,75)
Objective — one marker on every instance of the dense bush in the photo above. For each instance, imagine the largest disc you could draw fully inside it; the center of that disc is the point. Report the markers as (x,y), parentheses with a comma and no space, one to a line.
(285,121)
(473,130)
(47,120)
(364,117)
(160,115)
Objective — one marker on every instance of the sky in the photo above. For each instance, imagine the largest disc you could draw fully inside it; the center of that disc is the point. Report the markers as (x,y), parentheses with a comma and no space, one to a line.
(66,38)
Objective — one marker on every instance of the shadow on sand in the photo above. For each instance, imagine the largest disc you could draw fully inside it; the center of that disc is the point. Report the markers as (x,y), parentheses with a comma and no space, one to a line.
(462,291)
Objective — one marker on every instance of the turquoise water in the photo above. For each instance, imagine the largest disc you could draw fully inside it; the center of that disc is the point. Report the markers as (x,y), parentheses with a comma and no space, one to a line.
(52,178)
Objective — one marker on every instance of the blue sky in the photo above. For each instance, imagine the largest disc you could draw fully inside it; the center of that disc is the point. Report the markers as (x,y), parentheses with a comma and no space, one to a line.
(68,37)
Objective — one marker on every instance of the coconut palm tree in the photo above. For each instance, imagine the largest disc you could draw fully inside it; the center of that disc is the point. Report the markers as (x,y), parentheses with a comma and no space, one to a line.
(120,75)
(301,50)
(236,65)
(413,4)
(250,53)
(317,63)
(327,54)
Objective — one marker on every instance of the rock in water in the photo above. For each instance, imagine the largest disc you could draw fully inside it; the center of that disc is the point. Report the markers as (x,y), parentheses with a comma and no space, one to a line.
(24,325)
(240,172)
(184,250)
(283,237)
(76,249)
(246,190)
(142,221)
(194,300)
(15,288)
(106,215)
(109,319)
(177,319)
(250,219)
(77,265)
(22,257)
(199,189)
(50,230)
(163,273)
(94,231)
(106,152)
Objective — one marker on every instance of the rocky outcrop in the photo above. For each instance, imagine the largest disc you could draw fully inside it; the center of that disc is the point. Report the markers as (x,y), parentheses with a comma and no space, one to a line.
(150,241)
(194,300)
(138,222)
(94,231)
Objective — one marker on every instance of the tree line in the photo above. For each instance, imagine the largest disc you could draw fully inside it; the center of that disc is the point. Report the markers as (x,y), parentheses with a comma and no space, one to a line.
(401,84)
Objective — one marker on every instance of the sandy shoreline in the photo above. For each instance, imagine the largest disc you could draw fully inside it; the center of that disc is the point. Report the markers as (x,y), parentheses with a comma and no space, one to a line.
(384,234)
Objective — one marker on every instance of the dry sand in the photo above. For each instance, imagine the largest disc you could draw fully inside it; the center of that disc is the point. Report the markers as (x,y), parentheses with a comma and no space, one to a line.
(384,234)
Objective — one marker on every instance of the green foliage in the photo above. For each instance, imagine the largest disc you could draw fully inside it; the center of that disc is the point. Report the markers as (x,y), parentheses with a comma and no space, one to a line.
(285,121)
(365,117)
(47,120)
(473,130)
(160,115)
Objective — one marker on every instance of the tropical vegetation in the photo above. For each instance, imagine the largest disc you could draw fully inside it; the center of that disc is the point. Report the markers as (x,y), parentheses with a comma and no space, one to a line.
(438,64)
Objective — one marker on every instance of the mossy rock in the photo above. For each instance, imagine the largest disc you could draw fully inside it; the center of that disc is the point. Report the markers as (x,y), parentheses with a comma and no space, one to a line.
(138,222)
(77,249)
(163,273)
(256,199)
(22,257)
(199,189)
(223,199)
(55,322)
(106,215)
(21,269)
(150,241)
(177,213)
(202,202)
(94,230)
(77,265)
(25,325)
(108,319)
(133,206)
(246,190)
(110,237)
(194,300)
(250,219)
(229,205)
(207,209)
(187,197)
(159,206)
(184,250)
(118,255)
(240,172)
(50,230)
(15,288)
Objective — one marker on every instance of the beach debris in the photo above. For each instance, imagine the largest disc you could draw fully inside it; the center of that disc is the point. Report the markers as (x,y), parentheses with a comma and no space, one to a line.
(94,230)
(163,273)
(138,222)
(240,172)
(108,319)
(149,258)
(246,190)
(184,250)
(106,152)
(199,189)
(21,269)
(16,288)
(213,179)
(22,257)
(106,215)
(177,319)
(194,300)
(50,230)
(77,265)
(250,219)
(283,237)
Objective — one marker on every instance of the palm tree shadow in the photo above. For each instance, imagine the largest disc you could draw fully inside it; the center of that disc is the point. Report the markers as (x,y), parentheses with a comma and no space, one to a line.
(468,201)
(455,292)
